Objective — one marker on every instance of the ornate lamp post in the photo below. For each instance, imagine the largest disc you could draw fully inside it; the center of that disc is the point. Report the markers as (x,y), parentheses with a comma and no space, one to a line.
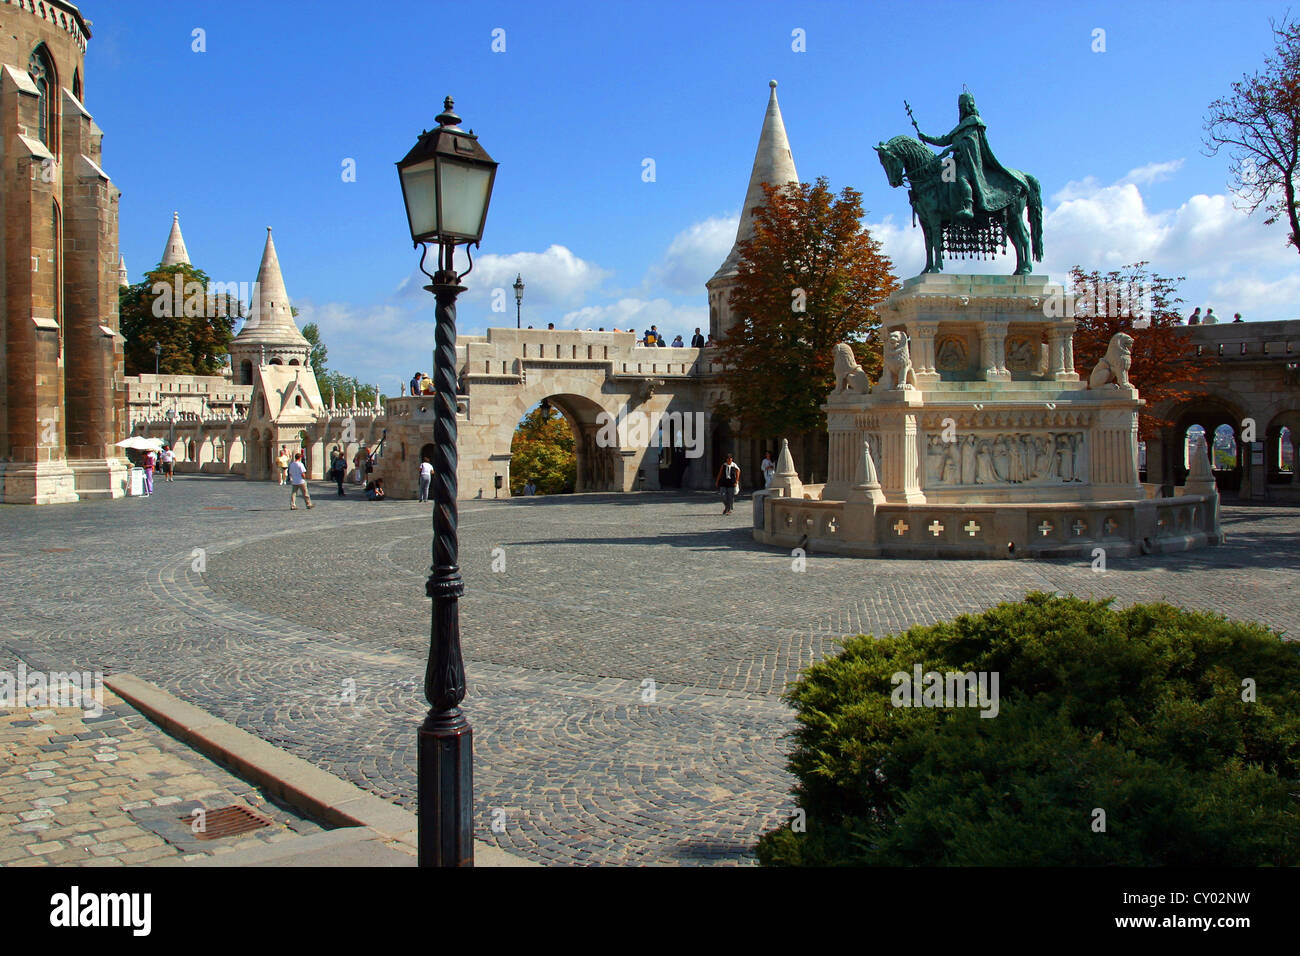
(446,182)
(157,354)
(519,298)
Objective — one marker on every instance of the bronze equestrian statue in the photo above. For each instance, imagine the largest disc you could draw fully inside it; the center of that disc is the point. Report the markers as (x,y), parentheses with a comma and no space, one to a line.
(968,203)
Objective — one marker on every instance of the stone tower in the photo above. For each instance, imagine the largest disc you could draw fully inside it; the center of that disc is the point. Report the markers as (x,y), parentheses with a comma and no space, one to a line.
(62,402)
(773,164)
(123,277)
(175,253)
(269,335)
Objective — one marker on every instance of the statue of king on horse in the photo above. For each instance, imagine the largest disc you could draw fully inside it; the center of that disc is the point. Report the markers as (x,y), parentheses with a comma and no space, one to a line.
(968,203)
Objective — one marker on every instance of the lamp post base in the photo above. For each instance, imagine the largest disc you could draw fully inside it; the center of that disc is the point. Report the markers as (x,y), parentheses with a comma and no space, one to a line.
(446,790)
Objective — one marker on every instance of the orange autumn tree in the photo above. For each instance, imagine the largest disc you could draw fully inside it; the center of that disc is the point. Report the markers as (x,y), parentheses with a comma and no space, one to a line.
(1142,304)
(810,277)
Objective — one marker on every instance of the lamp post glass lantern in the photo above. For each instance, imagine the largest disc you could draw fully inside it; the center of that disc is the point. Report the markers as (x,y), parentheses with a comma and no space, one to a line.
(519,299)
(447,180)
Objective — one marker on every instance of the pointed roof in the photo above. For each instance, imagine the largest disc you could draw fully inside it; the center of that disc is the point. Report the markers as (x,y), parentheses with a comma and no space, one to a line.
(123,277)
(175,253)
(270,316)
(773,164)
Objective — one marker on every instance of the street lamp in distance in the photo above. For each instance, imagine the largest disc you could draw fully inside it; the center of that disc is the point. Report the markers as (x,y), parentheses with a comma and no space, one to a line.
(519,298)
(447,180)
(157,354)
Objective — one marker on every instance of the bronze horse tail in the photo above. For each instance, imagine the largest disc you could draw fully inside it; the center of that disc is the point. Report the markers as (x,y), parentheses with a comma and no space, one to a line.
(1035,217)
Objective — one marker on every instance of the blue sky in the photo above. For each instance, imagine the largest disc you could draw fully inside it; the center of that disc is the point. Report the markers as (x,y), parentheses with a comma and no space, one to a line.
(254,131)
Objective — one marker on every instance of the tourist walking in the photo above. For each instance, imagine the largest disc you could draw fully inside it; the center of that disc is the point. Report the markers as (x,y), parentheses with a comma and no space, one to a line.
(168,459)
(282,462)
(768,466)
(339,471)
(150,462)
(298,482)
(530,489)
(426,478)
(697,340)
(728,483)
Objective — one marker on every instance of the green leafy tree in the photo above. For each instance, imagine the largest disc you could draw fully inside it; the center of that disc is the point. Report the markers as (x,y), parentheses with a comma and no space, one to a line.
(543,450)
(319,353)
(173,308)
(811,277)
(1183,726)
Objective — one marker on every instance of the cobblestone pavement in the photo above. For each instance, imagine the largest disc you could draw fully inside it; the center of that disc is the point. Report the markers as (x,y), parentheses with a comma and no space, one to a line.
(625,663)
(102,786)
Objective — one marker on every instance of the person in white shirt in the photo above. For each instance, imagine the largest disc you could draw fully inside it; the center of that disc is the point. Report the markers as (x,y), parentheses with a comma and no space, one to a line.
(768,467)
(426,478)
(168,459)
(1210,318)
(298,482)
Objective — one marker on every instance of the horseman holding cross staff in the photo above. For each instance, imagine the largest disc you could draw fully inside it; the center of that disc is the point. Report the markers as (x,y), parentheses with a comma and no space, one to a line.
(975,209)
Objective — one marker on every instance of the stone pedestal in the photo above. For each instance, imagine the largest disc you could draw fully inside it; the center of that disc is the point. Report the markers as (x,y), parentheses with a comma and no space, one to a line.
(37,483)
(100,478)
(997,450)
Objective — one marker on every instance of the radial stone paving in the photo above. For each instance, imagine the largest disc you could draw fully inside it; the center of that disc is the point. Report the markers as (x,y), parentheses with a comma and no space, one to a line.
(625,664)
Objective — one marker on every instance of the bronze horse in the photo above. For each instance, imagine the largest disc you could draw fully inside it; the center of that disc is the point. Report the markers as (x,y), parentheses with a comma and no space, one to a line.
(935,200)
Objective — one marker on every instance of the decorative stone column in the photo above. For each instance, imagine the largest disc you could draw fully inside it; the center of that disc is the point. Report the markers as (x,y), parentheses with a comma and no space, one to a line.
(993,345)
(1067,372)
(923,354)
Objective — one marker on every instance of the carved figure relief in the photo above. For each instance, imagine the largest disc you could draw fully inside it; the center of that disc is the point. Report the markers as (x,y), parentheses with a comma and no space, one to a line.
(952,355)
(1022,355)
(1007,458)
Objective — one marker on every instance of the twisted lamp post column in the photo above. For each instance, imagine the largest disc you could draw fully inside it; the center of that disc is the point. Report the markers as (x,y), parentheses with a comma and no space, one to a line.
(446,773)
(446,184)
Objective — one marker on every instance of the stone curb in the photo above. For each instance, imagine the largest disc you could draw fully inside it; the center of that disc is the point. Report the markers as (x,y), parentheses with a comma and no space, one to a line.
(316,792)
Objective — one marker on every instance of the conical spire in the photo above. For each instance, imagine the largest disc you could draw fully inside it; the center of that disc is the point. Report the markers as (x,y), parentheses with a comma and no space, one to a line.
(123,277)
(270,317)
(773,164)
(175,253)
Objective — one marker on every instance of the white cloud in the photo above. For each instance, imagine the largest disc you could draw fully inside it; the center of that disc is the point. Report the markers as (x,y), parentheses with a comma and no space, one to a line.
(378,344)
(904,245)
(639,314)
(1256,298)
(693,256)
(555,278)
(1153,172)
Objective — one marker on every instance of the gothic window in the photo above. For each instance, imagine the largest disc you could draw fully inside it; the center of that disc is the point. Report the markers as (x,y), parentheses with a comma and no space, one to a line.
(245,372)
(46,79)
(76,84)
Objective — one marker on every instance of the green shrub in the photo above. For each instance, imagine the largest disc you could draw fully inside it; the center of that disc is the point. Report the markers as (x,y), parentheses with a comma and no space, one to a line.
(1138,712)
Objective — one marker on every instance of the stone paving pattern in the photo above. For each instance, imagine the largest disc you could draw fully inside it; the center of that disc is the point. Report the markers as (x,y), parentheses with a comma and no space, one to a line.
(73,788)
(625,668)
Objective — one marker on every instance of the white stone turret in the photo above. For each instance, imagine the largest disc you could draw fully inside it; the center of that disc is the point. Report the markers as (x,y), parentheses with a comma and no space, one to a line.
(269,335)
(175,253)
(773,164)
(123,277)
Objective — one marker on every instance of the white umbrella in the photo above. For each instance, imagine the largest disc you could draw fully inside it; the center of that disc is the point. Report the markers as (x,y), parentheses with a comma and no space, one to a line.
(140,443)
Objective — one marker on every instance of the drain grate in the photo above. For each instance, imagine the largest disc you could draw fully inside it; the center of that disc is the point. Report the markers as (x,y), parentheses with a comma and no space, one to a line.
(225,822)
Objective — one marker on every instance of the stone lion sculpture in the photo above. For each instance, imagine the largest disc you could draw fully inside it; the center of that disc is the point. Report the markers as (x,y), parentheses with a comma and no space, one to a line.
(849,376)
(1115,364)
(898,372)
